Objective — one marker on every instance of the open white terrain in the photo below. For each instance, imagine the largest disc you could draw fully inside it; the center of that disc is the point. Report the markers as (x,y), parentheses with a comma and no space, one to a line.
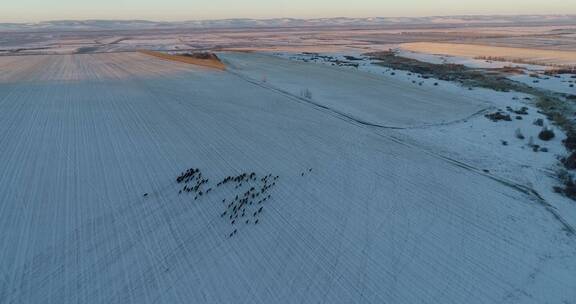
(90,209)
(358,95)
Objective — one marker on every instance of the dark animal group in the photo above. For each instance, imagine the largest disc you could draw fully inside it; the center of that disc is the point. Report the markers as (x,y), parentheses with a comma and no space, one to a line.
(246,206)
(194,177)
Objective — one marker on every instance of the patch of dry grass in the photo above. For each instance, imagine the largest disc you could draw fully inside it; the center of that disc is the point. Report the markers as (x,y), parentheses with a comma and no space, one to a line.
(211,61)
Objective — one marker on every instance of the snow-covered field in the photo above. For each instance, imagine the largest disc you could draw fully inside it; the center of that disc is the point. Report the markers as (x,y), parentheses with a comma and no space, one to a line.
(564,83)
(533,75)
(466,61)
(488,146)
(359,95)
(358,214)
(539,56)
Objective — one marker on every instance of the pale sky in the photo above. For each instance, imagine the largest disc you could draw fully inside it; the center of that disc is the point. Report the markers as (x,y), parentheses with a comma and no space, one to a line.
(173,10)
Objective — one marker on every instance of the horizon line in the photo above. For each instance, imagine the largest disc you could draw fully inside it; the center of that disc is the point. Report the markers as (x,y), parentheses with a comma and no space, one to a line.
(292,18)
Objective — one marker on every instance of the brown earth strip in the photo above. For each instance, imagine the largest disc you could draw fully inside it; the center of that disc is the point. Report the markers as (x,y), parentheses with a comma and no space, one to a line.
(208,60)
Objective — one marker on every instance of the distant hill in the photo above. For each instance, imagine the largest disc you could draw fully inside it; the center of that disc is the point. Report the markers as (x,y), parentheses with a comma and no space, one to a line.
(283,22)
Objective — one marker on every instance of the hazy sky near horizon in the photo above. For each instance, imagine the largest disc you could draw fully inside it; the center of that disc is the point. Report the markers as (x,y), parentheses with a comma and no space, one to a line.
(171,10)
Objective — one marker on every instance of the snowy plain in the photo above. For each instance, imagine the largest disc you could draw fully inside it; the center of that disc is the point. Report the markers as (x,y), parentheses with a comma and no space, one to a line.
(377,219)
(564,83)
(356,94)
(475,140)
(533,75)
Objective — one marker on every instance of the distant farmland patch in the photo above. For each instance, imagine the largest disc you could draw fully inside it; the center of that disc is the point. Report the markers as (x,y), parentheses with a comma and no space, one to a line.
(524,55)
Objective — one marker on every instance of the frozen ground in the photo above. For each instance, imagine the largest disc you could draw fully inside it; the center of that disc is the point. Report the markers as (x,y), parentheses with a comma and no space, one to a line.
(563,83)
(539,56)
(466,61)
(359,95)
(533,75)
(475,140)
(379,219)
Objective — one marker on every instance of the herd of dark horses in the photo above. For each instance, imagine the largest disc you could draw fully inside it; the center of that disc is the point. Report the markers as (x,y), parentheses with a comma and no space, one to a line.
(250,191)
(245,206)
